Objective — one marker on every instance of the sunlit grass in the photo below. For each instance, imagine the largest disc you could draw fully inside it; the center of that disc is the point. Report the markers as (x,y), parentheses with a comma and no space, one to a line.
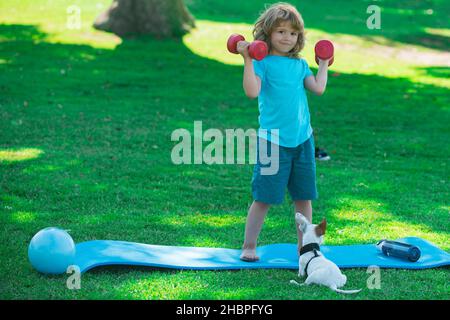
(440,32)
(43,168)
(368,220)
(209,40)
(23,216)
(201,219)
(58,29)
(19,154)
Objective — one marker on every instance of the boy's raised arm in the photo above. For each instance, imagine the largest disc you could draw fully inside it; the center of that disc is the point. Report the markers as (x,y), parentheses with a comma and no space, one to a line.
(318,83)
(251,82)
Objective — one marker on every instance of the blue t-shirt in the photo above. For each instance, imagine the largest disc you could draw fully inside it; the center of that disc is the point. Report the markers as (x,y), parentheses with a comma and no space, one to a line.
(282,101)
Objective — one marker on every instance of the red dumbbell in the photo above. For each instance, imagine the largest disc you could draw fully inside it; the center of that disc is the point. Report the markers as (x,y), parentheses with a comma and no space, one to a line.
(324,50)
(257,50)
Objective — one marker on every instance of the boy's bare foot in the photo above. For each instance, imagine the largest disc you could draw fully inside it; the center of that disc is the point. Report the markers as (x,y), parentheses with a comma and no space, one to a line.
(249,255)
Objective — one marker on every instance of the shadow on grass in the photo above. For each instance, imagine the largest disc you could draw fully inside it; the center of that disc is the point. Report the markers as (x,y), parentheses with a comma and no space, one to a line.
(20,32)
(113,111)
(437,72)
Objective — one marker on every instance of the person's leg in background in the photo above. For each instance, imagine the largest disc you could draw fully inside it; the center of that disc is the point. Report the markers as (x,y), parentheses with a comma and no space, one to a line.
(321,154)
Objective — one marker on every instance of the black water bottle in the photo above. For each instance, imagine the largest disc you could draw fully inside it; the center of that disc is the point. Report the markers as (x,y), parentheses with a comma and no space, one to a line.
(399,250)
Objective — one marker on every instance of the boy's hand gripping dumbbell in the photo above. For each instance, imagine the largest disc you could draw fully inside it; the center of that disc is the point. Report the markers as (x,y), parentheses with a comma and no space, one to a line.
(257,50)
(324,50)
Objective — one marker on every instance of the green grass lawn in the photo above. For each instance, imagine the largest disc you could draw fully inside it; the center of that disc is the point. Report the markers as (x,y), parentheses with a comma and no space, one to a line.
(85,145)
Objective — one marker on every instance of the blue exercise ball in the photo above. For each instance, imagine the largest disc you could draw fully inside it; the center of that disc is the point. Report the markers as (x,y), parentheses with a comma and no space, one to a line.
(51,251)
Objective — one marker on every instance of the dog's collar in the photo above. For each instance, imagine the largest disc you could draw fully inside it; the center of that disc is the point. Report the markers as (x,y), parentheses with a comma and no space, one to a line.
(309,247)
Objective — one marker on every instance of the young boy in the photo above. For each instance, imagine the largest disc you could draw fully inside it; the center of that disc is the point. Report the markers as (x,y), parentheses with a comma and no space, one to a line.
(279,82)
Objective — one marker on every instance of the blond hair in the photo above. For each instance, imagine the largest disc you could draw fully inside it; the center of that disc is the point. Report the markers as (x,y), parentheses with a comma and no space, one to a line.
(272,17)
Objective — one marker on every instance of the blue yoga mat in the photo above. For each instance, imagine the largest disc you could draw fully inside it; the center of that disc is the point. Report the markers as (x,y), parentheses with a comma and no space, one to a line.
(92,254)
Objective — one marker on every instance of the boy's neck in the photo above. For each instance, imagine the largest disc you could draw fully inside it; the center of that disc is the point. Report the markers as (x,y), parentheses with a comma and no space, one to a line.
(278,53)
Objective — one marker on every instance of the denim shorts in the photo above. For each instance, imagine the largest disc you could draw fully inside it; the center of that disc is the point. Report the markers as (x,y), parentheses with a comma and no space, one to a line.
(296,171)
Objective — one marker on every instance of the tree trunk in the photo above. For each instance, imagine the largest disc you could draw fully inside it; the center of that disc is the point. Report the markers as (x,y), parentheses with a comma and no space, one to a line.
(160,18)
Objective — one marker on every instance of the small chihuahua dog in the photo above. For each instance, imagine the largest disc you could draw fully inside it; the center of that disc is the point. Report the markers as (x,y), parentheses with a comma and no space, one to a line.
(313,263)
